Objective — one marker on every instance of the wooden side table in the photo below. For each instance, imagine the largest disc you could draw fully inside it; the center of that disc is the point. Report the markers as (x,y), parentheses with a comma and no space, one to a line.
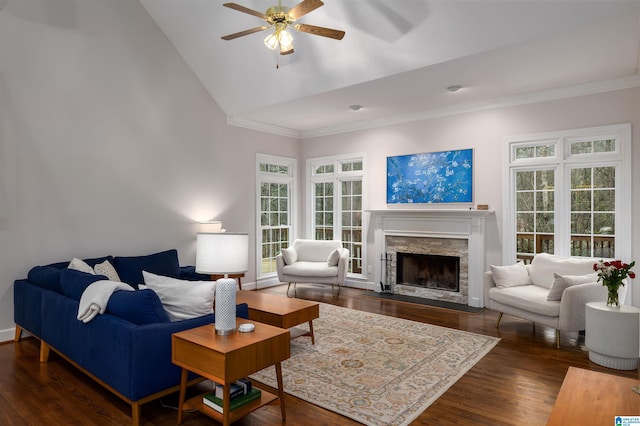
(612,335)
(283,312)
(225,359)
(236,276)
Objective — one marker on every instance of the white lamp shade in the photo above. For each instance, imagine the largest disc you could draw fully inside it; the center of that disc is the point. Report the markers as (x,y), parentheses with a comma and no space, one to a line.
(222,253)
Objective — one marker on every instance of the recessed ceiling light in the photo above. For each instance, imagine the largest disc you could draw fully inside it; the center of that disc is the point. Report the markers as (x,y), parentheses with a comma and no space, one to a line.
(454,88)
(355,107)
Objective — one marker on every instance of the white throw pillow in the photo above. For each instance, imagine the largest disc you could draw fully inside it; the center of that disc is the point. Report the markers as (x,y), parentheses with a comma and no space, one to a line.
(289,255)
(561,282)
(544,265)
(80,265)
(334,258)
(510,275)
(182,299)
(106,268)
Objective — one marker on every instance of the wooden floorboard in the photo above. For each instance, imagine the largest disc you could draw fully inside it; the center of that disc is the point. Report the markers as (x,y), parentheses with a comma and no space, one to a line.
(515,384)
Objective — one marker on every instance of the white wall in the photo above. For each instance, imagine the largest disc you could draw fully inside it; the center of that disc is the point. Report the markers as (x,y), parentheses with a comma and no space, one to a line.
(486,132)
(109,144)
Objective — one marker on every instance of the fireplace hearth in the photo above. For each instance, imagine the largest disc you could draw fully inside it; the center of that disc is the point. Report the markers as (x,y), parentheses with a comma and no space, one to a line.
(428,271)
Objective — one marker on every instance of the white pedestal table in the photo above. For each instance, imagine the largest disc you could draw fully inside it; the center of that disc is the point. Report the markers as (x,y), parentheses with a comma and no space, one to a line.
(612,335)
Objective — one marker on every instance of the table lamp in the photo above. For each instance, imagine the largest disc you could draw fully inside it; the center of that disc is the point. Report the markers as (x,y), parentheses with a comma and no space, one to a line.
(223,253)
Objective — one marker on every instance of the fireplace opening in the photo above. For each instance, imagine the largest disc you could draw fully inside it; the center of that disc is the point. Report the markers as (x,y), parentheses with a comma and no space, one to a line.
(428,271)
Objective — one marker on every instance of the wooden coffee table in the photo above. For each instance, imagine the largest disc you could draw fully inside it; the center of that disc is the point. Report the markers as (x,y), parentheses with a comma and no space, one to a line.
(279,311)
(226,359)
(593,398)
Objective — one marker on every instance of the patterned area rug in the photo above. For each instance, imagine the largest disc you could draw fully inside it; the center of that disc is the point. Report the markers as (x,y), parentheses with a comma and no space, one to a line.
(375,369)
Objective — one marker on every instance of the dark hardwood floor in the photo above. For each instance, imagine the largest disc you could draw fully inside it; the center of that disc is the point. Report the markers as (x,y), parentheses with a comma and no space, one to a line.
(515,384)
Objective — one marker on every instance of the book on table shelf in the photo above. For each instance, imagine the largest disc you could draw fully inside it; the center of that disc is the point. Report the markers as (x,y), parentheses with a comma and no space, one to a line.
(210,400)
(241,387)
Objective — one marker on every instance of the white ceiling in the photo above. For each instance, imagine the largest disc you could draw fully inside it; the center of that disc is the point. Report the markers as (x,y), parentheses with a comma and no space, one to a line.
(398,57)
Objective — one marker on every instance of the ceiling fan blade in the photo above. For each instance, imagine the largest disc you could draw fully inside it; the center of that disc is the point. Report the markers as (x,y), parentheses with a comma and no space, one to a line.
(303,8)
(244,33)
(321,31)
(239,8)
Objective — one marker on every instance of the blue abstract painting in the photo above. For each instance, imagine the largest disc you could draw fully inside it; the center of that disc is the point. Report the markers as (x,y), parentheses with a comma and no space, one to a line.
(435,177)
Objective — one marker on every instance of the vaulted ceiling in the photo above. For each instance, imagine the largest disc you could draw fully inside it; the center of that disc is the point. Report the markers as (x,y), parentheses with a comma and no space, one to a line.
(399,56)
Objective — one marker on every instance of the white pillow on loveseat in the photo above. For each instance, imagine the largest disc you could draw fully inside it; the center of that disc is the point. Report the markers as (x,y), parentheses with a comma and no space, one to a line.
(510,275)
(544,265)
(180,298)
(562,282)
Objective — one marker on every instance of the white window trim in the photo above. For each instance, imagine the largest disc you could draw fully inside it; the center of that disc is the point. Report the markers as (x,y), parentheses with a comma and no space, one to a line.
(292,163)
(563,161)
(335,177)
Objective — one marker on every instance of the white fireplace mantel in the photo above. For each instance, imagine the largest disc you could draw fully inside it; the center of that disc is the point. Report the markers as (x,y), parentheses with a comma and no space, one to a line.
(438,223)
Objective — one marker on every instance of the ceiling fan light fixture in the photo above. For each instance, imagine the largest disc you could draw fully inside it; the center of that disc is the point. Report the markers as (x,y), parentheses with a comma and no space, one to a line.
(286,42)
(280,18)
(271,41)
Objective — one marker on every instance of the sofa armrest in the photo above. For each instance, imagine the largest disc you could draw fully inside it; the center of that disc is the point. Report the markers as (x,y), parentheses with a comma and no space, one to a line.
(487,284)
(343,263)
(572,304)
(279,266)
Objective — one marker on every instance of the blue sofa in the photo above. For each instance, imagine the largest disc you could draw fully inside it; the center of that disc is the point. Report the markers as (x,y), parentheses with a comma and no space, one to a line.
(128,348)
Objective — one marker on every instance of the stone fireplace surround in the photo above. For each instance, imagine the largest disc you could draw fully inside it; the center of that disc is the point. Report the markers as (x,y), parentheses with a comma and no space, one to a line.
(451,232)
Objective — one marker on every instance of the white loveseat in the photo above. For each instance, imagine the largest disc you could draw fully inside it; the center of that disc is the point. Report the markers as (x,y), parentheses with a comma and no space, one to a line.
(552,290)
(313,261)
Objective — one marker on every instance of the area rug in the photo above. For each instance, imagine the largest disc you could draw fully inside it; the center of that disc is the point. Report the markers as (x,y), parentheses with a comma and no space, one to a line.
(375,369)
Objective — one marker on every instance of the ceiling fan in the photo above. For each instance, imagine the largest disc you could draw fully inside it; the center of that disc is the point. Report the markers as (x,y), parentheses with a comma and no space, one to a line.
(280,18)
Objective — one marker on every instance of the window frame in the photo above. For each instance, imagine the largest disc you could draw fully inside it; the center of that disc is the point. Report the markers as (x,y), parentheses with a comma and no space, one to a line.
(337,176)
(269,177)
(564,161)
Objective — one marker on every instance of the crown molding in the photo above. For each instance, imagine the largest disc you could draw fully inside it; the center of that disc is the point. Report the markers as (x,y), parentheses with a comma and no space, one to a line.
(621,83)
(263,127)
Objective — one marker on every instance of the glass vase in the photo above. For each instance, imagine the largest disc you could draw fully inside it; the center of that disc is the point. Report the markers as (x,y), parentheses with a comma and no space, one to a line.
(612,294)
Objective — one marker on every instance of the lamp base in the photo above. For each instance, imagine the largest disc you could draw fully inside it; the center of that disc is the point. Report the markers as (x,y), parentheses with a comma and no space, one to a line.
(225,306)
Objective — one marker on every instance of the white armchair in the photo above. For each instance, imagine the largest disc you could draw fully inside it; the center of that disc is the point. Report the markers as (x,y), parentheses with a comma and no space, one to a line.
(313,261)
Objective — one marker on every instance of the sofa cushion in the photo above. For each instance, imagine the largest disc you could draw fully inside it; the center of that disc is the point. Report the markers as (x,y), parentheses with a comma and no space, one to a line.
(163,263)
(106,268)
(510,275)
(531,298)
(74,282)
(311,269)
(289,255)
(334,258)
(182,299)
(46,277)
(139,307)
(315,250)
(561,282)
(545,265)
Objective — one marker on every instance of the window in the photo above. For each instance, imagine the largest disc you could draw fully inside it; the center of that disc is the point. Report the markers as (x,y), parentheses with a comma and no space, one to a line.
(565,194)
(275,178)
(336,203)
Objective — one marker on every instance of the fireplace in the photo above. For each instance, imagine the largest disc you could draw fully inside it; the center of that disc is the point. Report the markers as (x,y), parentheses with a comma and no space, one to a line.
(442,232)
(428,271)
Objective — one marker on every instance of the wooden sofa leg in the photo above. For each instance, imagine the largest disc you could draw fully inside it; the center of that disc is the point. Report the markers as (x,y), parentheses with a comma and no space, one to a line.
(18,334)
(499,318)
(44,351)
(135,413)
